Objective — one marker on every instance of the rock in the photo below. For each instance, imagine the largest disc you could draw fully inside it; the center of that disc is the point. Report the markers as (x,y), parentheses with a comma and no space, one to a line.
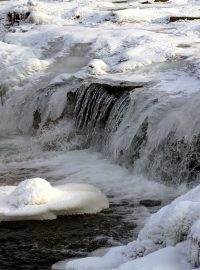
(117,88)
(36,119)
(150,203)
(161,1)
(15,17)
(145,2)
(182,18)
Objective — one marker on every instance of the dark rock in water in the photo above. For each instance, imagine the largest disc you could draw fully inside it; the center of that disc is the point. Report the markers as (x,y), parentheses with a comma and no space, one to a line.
(150,203)
(36,119)
(161,1)
(145,2)
(120,2)
(70,105)
(131,154)
(116,88)
(15,17)
(3,90)
(36,245)
(183,18)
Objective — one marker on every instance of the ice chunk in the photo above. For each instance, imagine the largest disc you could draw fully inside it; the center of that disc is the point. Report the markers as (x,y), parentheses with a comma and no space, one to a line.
(97,67)
(37,199)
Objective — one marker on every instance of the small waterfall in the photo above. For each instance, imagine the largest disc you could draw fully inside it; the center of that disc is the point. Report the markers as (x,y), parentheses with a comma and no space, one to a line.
(150,132)
(99,110)
(30,111)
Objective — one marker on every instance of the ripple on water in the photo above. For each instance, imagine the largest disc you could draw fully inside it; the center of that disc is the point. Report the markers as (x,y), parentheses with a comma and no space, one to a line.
(39,244)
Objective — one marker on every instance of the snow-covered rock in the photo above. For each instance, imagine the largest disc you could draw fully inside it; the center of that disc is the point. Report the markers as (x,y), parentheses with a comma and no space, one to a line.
(37,199)
(97,67)
(31,192)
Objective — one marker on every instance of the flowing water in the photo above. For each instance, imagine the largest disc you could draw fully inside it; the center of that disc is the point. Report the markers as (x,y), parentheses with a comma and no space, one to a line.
(135,141)
(121,137)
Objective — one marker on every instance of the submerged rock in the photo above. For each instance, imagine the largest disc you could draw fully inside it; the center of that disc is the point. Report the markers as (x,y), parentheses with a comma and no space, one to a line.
(150,203)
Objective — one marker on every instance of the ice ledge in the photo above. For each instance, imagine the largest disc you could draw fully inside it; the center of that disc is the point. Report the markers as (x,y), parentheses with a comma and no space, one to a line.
(36,199)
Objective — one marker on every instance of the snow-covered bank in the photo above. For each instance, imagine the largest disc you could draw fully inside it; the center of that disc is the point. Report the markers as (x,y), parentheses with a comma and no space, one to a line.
(176,224)
(173,258)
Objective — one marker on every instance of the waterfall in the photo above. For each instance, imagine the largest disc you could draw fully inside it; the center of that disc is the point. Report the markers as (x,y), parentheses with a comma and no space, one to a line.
(153,133)
(142,130)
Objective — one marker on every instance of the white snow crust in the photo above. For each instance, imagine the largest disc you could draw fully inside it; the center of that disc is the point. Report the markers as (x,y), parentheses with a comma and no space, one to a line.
(123,38)
(37,199)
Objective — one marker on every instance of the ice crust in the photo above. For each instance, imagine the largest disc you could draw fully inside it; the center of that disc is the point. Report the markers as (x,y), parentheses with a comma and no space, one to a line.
(30,47)
(37,199)
(169,240)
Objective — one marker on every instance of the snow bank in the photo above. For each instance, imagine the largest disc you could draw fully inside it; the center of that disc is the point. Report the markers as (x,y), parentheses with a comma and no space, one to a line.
(169,258)
(37,199)
(36,44)
(178,222)
(19,63)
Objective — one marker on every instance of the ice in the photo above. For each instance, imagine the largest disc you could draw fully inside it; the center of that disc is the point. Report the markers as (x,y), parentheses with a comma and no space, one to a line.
(109,31)
(97,67)
(37,199)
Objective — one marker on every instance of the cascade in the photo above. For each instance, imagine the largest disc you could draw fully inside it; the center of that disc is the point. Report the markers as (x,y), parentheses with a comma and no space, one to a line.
(136,127)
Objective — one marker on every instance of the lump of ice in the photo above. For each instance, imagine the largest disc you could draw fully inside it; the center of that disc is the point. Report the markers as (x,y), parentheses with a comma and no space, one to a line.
(30,192)
(37,199)
(97,67)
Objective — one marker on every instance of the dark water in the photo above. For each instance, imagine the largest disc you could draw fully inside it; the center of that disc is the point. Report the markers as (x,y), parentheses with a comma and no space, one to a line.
(36,245)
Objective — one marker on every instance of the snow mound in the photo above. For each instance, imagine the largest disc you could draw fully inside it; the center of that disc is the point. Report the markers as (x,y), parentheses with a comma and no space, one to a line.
(30,192)
(173,258)
(36,199)
(97,67)
(175,225)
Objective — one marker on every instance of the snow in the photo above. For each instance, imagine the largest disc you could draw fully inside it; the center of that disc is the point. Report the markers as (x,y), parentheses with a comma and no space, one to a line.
(97,67)
(30,192)
(173,258)
(37,199)
(52,29)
